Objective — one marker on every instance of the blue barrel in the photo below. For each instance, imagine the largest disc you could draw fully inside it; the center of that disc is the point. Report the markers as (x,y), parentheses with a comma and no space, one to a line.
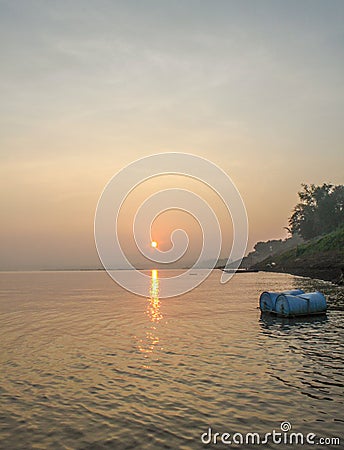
(301,305)
(267,300)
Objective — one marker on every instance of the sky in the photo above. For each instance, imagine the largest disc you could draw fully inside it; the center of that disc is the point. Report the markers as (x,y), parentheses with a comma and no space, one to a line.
(88,87)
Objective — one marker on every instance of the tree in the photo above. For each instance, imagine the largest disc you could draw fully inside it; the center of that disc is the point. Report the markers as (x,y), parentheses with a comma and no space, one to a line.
(320,210)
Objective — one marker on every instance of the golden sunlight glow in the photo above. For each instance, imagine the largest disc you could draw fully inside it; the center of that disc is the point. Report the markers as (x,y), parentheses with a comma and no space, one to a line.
(154,276)
(153,309)
(151,341)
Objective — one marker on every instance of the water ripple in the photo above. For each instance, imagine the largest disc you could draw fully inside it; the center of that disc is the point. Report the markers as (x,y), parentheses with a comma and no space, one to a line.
(86,365)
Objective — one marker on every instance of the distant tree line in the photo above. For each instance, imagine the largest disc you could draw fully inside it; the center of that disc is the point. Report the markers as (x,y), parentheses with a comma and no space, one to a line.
(320,210)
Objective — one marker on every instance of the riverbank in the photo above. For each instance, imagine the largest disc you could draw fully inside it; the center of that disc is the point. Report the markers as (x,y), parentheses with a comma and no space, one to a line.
(321,258)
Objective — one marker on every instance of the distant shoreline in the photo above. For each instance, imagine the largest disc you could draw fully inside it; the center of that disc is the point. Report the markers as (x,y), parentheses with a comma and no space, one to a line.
(332,275)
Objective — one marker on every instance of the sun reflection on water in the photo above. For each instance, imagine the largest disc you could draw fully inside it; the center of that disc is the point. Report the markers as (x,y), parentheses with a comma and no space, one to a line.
(151,340)
(153,307)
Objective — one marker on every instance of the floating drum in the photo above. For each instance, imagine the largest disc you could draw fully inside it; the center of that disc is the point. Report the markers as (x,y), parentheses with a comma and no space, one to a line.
(300,305)
(267,300)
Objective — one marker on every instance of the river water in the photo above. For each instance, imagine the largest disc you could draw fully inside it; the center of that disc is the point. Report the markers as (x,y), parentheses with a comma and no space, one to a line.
(87,365)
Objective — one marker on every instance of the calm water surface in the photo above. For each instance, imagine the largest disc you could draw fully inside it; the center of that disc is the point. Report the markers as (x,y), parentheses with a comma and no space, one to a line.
(86,365)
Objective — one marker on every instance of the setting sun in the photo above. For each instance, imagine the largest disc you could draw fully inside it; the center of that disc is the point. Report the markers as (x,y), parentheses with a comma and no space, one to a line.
(154,244)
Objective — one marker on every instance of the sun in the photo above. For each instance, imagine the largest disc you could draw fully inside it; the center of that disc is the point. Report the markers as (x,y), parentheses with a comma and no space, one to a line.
(154,244)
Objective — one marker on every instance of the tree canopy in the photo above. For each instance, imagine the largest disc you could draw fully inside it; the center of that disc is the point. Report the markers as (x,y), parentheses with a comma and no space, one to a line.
(320,210)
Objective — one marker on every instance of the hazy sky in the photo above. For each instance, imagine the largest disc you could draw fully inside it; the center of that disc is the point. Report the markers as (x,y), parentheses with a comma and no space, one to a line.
(89,86)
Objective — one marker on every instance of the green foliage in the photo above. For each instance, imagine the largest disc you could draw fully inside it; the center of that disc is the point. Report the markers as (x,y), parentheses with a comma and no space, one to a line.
(320,210)
(332,243)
